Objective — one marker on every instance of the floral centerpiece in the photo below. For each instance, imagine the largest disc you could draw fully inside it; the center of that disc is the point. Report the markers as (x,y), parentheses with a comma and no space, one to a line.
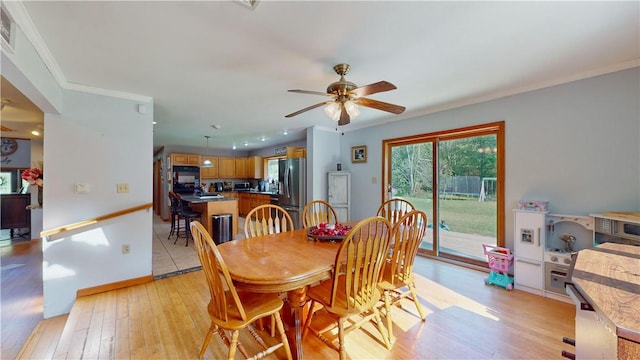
(34,177)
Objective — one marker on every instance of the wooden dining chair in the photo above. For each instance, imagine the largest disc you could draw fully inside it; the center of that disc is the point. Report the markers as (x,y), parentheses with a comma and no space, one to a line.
(263,220)
(230,310)
(406,236)
(394,209)
(267,219)
(353,288)
(318,211)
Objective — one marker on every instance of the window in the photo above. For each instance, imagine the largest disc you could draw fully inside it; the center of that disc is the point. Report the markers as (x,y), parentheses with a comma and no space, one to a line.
(457,178)
(271,166)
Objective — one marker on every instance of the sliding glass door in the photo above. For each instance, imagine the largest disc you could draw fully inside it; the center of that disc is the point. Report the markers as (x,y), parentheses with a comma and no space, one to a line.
(456,177)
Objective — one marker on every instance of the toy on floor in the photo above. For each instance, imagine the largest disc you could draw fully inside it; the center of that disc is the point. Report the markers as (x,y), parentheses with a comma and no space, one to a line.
(499,260)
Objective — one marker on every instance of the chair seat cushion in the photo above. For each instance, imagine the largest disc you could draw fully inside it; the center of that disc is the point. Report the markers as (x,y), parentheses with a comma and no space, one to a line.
(322,294)
(255,306)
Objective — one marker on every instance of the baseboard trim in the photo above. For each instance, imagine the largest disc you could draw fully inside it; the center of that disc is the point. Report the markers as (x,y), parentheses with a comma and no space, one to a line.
(456,262)
(114,286)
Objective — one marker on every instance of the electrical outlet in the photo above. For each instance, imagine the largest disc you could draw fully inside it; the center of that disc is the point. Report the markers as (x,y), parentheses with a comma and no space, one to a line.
(123,188)
(125,248)
(374,180)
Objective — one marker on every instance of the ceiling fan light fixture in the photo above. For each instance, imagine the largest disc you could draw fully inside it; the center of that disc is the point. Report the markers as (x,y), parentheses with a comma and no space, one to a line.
(333,111)
(352,109)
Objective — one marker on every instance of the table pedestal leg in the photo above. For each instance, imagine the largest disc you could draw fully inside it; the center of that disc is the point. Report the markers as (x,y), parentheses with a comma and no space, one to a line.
(296,299)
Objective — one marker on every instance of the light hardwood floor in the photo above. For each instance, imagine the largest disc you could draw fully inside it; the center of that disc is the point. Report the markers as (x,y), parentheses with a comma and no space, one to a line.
(20,293)
(167,318)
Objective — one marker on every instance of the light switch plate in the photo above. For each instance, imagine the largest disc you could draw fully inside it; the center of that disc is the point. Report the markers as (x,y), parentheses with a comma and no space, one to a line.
(123,188)
(82,188)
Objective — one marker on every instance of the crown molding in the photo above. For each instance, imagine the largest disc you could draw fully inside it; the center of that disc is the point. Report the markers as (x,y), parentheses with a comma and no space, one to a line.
(24,22)
(107,92)
(22,19)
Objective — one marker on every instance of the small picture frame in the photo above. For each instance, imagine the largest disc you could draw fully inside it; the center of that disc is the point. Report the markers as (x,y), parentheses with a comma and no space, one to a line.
(359,154)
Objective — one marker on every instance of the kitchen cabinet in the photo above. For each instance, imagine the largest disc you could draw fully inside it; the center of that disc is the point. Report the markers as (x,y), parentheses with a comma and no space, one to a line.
(244,203)
(241,168)
(529,245)
(339,193)
(247,201)
(294,152)
(227,168)
(185,159)
(209,172)
(254,167)
(230,195)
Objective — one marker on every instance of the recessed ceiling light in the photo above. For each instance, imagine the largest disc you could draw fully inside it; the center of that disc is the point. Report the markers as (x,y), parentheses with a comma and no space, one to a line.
(263,139)
(285,132)
(246,144)
(233,147)
(154,122)
(216,126)
(35,132)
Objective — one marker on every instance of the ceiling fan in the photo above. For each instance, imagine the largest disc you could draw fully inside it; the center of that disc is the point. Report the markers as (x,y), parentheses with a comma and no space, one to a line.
(346,96)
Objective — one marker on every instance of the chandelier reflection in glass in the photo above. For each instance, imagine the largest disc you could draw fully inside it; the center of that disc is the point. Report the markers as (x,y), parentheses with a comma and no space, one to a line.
(333,109)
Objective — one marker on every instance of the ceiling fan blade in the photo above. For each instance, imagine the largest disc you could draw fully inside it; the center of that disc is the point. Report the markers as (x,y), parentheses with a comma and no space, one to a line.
(312,92)
(306,109)
(380,105)
(380,86)
(344,117)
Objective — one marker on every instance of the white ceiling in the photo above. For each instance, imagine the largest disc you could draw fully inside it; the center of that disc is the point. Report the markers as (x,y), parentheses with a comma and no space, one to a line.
(219,62)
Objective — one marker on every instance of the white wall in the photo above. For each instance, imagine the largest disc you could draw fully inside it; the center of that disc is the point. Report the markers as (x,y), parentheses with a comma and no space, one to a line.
(576,145)
(99,141)
(323,153)
(25,70)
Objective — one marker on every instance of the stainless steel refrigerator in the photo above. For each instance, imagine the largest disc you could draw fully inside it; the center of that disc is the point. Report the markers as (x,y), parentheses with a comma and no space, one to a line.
(292,187)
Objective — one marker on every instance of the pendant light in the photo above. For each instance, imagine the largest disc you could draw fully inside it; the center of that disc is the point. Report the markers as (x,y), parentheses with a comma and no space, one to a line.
(207,163)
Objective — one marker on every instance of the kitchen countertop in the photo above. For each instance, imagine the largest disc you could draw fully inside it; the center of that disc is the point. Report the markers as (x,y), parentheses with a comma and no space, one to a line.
(256,192)
(609,278)
(196,199)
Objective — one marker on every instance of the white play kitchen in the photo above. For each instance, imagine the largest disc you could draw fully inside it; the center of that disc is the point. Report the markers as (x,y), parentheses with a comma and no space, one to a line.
(543,246)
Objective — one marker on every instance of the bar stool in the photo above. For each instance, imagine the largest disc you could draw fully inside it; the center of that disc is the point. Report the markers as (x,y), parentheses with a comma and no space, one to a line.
(183,213)
(174,213)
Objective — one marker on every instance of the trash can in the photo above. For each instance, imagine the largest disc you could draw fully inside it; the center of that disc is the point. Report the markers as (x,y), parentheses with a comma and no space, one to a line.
(222,228)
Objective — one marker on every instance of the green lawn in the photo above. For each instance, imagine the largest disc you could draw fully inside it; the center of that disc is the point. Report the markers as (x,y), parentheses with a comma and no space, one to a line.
(468,216)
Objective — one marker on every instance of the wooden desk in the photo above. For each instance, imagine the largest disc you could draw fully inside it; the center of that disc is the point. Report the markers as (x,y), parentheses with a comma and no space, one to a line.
(14,213)
(286,262)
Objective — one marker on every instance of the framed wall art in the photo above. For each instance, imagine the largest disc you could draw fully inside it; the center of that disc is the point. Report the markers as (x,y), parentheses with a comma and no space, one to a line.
(359,154)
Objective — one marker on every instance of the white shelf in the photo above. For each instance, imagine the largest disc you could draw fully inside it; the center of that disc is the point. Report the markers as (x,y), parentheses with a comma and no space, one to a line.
(585,221)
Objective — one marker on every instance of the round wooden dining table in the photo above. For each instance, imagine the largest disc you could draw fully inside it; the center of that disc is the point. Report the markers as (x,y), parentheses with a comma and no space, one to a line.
(286,262)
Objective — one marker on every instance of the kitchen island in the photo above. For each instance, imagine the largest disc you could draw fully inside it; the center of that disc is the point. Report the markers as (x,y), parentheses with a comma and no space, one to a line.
(606,278)
(214,205)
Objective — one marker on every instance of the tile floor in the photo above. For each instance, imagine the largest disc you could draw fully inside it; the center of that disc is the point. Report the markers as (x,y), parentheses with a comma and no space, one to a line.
(173,259)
